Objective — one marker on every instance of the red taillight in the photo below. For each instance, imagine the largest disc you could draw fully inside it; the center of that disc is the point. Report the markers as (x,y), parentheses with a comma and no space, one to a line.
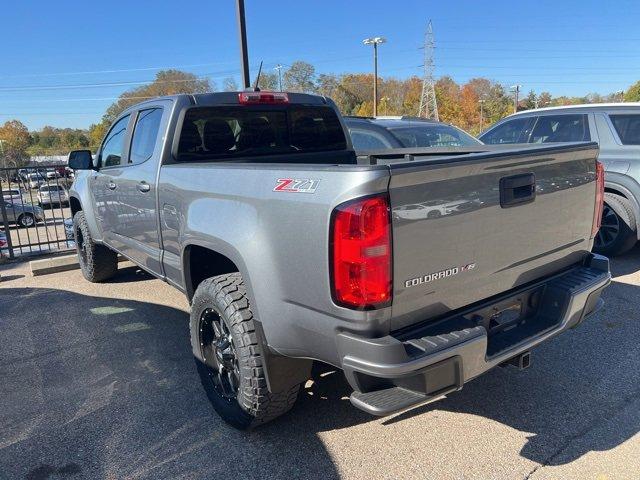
(361,253)
(597,211)
(252,98)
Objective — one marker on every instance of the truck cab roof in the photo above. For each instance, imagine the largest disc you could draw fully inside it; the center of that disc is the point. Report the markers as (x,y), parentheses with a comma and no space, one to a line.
(232,98)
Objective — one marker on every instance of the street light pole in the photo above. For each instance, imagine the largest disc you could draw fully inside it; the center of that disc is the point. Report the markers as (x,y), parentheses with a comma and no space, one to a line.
(516,91)
(244,54)
(375,41)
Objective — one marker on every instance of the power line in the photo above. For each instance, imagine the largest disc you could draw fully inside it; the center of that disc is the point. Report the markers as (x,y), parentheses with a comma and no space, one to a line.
(597,40)
(109,84)
(121,70)
(47,113)
(551,69)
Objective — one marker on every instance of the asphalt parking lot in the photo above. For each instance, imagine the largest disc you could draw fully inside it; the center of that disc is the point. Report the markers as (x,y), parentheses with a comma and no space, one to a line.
(97,381)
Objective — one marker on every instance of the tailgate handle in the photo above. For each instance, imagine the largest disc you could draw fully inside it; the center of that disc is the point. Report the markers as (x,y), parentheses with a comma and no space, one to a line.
(517,190)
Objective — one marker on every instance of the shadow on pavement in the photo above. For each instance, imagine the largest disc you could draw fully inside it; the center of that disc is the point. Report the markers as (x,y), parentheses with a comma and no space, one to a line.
(104,388)
(577,383)
(99,387)
(130,274)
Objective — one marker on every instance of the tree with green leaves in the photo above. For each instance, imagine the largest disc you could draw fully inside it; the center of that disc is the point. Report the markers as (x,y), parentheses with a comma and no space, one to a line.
(97,132)
(633,94)
(268,81)
(230,84)
(300,77)
(167,82)
(530,101)
(544,100)
(14,142)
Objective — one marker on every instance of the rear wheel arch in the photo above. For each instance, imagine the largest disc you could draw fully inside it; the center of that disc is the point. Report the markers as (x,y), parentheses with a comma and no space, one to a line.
(622,206)
(203,262)
(618,195)
(200,262)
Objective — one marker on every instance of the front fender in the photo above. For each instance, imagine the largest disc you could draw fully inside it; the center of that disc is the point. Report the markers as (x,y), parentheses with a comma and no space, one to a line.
(81,192)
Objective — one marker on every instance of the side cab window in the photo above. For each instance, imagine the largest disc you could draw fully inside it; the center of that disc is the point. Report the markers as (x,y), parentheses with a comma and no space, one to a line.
(561,128)
(113,146)
(627,127)
(516,130)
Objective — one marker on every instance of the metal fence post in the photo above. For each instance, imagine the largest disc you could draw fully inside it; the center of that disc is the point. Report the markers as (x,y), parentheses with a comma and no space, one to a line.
(5,222)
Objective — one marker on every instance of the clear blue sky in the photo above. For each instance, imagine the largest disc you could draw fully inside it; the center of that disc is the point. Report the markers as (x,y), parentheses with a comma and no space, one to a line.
(571,47)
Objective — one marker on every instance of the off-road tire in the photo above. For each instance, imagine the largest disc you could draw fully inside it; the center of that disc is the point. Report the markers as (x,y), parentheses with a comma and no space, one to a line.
(254,404)
(97,262)
(626,237)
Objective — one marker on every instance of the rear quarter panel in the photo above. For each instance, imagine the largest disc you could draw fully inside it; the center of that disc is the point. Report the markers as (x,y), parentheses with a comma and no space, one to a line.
(278,240)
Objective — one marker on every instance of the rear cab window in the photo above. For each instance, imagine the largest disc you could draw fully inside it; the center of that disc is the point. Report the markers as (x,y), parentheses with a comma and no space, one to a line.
(229,132)
(628,127)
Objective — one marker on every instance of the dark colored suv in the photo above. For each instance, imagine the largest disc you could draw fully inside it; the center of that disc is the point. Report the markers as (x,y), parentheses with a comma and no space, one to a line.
(369,133)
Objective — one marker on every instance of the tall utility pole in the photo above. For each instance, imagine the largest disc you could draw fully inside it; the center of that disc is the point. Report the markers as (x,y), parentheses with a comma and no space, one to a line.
(244,53)
(375,41)
(482,114)
(516,92)
(428,102)
(279,68)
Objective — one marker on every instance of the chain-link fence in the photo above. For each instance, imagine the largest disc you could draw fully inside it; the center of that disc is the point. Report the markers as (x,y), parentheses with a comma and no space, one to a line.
(34,210)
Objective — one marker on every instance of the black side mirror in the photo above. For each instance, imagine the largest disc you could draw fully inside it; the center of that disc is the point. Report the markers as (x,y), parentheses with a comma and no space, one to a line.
(80,160)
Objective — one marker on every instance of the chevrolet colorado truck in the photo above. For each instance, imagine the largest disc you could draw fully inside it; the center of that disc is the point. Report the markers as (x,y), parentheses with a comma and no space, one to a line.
(293,248)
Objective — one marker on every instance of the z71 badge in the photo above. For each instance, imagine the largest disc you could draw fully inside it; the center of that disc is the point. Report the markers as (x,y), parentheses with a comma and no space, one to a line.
(296,185)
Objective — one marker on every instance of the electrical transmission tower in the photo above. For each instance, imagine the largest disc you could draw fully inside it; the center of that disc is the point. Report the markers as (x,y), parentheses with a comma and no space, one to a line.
(428,103)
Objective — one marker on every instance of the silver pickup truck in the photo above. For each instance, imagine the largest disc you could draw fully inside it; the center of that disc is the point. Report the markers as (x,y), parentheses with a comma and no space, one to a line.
(412,270)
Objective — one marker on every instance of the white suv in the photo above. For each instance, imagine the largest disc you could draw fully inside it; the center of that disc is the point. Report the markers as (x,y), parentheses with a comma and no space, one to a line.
(616,128)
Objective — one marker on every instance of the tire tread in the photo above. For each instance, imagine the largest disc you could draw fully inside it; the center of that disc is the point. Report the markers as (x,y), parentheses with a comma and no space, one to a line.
(102,262)
(258,404)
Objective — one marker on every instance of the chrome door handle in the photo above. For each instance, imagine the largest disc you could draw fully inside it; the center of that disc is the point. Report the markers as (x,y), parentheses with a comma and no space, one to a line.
(111,186)
(144,187)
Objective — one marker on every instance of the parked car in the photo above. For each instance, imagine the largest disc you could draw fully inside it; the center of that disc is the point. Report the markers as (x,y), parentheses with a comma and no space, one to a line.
(34,180)
(23,214)
(286,244)
(52,174)
(435,209)
(616,128)
(50,195)
(3,243)
(375,133)
(13,195)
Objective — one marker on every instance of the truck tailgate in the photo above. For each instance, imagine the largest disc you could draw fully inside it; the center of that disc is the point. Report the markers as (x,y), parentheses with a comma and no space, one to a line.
(469,227)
